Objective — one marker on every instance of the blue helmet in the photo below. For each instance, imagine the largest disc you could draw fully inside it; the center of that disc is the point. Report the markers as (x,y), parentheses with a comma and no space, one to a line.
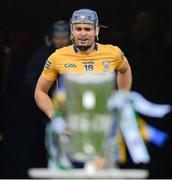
(85,16)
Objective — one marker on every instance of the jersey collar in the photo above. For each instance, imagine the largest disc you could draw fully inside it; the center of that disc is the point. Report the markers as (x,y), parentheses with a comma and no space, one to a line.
(76,49)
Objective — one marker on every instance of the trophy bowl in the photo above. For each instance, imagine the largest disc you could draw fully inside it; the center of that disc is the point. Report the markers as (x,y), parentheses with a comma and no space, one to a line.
(87,116)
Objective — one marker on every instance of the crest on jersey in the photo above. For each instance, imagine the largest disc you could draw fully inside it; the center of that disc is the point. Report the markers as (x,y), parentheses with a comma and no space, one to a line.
(106,65)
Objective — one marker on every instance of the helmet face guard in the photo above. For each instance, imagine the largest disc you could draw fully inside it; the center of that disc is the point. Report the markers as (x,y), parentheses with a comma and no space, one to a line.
(83,16)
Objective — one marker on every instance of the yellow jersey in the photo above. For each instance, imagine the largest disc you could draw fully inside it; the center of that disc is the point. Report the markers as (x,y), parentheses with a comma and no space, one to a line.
(104,58)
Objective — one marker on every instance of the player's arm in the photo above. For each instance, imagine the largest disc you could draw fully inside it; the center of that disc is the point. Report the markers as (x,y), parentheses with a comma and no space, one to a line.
(45,81)
(42,98)
(124,76)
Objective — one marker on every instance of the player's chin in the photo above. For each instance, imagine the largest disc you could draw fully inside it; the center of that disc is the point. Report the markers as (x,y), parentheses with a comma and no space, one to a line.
(83,42)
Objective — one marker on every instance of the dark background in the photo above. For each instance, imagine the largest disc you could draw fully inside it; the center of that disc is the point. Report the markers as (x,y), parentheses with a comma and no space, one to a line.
(142,29)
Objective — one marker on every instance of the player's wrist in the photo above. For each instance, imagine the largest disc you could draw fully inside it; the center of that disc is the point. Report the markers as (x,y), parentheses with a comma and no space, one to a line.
(50,114)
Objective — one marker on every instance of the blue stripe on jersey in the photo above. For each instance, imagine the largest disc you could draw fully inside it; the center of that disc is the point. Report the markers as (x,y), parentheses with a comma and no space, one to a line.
(60,82)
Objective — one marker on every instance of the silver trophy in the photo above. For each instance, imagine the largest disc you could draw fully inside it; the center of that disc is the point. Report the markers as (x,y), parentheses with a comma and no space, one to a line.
(91,124)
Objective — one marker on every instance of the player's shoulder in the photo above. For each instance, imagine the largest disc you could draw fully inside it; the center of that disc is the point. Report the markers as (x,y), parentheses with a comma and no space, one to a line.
(59,53)
(63,50)
(109,48)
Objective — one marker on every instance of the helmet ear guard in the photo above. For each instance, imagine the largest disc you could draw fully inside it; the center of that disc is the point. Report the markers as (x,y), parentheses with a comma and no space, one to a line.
(97,38)
(97,33)
(71,33)
(71,37)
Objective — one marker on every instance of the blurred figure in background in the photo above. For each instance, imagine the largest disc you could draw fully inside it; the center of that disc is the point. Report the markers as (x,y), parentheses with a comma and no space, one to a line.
(36,120)
(58,37)
(143,51)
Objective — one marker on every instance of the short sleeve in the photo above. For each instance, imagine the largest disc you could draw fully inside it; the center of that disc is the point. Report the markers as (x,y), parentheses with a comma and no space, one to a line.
(119,58)
(50,70)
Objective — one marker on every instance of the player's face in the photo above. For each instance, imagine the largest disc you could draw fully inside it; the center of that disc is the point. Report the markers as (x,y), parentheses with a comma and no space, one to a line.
(84,34)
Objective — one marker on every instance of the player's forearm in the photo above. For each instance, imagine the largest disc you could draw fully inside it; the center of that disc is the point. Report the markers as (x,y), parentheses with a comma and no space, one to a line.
(44,103)
(124,80)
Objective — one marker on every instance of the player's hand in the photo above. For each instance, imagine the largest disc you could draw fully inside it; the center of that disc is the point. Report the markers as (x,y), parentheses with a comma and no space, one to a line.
(100,163)
(50,114)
